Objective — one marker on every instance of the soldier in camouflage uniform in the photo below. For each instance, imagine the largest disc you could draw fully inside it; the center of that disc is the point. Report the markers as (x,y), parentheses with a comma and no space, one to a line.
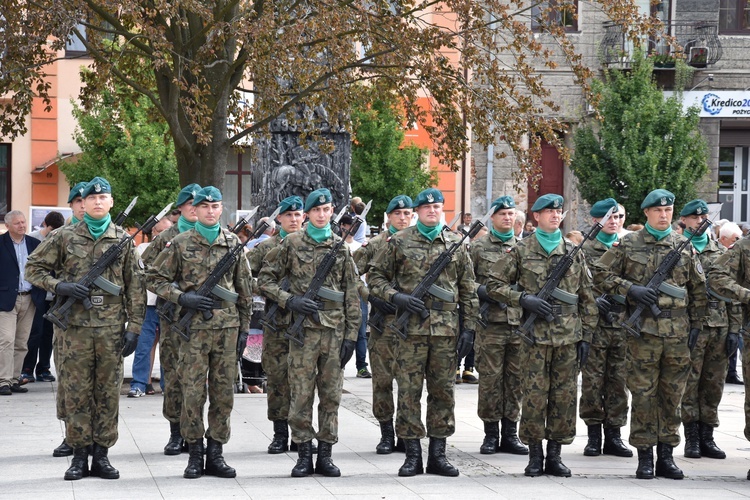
(498,349)
(383,342)
(604,395)
(90,351)
(169,342)
(275,345)
(709,356)
(658,360)
(330,329)
(211,352)
(429,351)
(551,364)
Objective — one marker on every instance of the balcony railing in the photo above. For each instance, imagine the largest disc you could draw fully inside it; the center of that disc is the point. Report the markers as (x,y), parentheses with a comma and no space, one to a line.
(699,41)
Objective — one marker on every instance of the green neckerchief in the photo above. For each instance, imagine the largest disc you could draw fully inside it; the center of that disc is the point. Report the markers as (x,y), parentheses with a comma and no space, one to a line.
(319,234)
(97,226)
(502,236)
(606,239)
(548,241)
(392,229)
(74,220)
(429,232)
(699,242)
(184,225)
(208,232)
(659,235)
(282,234)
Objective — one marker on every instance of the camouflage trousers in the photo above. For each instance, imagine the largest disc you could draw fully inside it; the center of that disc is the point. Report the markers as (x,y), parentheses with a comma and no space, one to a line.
(708,372)
(90,376)
(169,359)
(383,348)
(658,369)
(604,395)
(499,367)
(211,353)
(430,358)
(317,364)
(550,394)
(60,396)
(275,362)
(746,379)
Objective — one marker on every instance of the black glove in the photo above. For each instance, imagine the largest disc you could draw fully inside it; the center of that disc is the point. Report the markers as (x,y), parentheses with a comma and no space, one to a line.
(643,295)
(411,304)
(582,353)
(733,342)
(192,300)
(693,337)
(482,292)
(129,343)
(604,306)
(465,343)
(347,351)
(302,305)
(534,304)
(242,342)
(381,305)
(74,290)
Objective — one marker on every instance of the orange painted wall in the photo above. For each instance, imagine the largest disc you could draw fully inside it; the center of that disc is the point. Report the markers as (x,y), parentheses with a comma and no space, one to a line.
(44,145)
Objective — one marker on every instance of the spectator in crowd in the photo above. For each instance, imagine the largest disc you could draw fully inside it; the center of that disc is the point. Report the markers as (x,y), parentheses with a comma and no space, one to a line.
(528,229)
(520,222)
(621,222)
(465,223)
(267,234)
(745,229)
(728,235)
(358,206)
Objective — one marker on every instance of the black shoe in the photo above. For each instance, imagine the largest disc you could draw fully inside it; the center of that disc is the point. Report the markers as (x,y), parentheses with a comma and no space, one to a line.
(387,438)
(100,466)
(553,465)
(280,441)
(64,450)
(79,465)
(194,468)
(536,458)
(324,464)
(692,440)
(707,444)
(17,388)
(5,390)
(45,377)
(304,466)
(175,444)
(26,378)
(215,464)
(734,379)
(509,442)
(594,446)
(491,441)
(613,444)
(437,463)
(665,466)
(413,464)
(645,468)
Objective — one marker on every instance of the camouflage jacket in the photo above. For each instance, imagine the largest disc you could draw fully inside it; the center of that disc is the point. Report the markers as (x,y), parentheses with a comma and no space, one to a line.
(297,258)
(158,244)
(364,255)
(527,266)
(69,253)
(405,261)
(635,260)
(188,260)
(258,253)
(593,250)
(718,310)
(730,277)
(485,251)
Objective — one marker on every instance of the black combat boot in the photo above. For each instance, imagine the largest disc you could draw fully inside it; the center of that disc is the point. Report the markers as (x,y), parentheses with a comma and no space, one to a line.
(645,468)
(509,442)
(293,447)
(436,461)
(280,442)
(491,441)
(324,464)
(665,466)
(413,464)
(400,446)
(194,468)
(613,444)
(175,444)
(215,464)
(304,466)
(536,457)
(387,438)
(692,440)
(708,445)
(79,465)
(594,446)
(100,466)
(553,465)
(64,450)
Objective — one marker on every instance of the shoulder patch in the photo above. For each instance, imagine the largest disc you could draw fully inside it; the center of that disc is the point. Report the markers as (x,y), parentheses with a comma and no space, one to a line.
(168,244)
(698,266)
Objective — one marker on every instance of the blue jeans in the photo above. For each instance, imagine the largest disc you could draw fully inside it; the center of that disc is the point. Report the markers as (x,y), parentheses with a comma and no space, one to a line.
(142,357)
(361,351)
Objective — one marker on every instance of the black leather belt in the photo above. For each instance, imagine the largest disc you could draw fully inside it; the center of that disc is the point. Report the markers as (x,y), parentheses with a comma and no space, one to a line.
(25,293)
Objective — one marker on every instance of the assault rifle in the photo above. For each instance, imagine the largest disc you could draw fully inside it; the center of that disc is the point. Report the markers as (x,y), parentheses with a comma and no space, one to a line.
(658,280)
(549,289)
(433,273)
(295,332)
(59,312)
(335,222)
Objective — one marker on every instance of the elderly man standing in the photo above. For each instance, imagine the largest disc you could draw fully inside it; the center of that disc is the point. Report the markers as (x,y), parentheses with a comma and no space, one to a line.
(18,301)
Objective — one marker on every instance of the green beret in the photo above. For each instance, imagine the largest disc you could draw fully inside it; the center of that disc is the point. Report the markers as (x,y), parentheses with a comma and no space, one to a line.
(97,185)
(658,198)
(318,197)
(76,191)
(429,195)
(600,208)
(399,202)
(502,203)
(548,201)
(187,193)
(290,203)
(695,207)
(208,193)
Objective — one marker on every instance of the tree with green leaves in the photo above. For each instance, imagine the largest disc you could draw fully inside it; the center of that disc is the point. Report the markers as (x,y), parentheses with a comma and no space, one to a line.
(641,142)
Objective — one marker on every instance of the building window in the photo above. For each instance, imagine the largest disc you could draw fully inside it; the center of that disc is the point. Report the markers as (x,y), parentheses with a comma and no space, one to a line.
(550,13)
(734,16)
(4,178)
(74,47)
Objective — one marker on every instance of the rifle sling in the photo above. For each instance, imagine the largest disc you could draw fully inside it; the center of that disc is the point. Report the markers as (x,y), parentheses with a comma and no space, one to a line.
(437,305)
